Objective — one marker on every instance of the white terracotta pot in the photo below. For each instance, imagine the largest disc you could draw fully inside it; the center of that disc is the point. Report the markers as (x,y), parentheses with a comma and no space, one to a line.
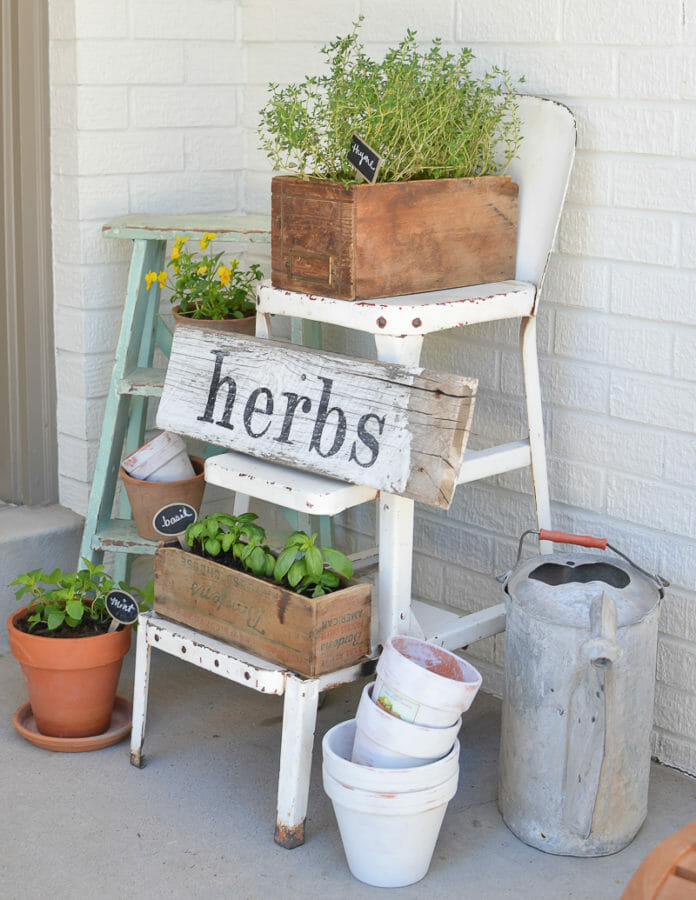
(388,835)
(423,683)
(164,458)
(384,740)
(337,748)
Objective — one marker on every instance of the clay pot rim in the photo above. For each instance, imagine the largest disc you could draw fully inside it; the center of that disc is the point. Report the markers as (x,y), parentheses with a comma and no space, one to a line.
(65,652)
(185,318)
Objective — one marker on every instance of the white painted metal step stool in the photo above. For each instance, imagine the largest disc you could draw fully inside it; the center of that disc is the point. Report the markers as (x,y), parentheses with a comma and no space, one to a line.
(399,325)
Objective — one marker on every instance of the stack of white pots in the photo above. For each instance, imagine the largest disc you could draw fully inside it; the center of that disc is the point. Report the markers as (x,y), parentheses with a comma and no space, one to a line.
(391,771)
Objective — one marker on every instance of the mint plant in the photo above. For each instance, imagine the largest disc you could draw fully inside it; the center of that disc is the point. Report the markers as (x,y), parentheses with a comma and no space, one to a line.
(60,602)
(424,112)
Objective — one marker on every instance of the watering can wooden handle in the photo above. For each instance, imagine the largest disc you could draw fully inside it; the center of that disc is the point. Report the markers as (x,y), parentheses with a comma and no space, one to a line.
(582,540)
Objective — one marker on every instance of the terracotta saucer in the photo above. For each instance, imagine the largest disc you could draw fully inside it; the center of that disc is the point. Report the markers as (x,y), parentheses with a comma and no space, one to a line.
(120,725)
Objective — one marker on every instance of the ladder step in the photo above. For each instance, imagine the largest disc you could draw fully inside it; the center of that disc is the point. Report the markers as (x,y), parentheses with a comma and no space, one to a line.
(495,460)
(292,488)
(143,382)
(121,536)
(452,630)
(148,227)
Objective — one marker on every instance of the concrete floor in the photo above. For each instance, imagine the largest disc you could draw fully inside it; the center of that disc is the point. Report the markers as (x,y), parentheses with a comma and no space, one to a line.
(198,820)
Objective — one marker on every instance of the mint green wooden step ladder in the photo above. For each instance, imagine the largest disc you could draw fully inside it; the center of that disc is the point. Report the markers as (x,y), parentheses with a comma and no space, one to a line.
(134,381)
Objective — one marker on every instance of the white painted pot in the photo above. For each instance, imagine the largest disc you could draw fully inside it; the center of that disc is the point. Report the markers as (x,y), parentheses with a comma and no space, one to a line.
(337,748)
(383,740)
(164,458)
(389,836)
(422,683)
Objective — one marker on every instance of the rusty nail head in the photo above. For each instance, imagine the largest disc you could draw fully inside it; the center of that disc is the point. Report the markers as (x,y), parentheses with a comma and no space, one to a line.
(381,321)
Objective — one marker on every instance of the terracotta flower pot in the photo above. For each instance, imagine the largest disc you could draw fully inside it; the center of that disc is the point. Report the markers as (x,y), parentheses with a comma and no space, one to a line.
(147,498)
(247,325)
(71,681)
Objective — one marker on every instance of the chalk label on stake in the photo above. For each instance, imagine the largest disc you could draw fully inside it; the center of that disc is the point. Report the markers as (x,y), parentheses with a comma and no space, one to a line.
(122,607)
(363,158)
(174,519)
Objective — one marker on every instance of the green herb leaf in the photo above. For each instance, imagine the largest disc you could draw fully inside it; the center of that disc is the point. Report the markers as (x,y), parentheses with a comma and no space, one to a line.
(55,618)
(296,572)
(283,563)
(74,610)
(338,561)
(212,546)
(314,562)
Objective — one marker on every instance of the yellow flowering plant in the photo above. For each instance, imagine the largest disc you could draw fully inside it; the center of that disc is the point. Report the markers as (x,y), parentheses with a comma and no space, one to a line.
(203,286)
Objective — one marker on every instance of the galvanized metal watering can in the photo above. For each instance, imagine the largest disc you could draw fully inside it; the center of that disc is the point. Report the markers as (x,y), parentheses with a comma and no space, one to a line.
(580,654)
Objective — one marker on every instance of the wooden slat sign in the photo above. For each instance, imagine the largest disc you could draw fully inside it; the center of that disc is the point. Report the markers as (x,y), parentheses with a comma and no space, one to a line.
(400,429)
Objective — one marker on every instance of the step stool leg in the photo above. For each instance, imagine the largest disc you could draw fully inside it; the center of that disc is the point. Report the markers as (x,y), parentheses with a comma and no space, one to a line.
(535,422)
(396,520)
(299,721)
(395,558)
(140,690)
(403,350)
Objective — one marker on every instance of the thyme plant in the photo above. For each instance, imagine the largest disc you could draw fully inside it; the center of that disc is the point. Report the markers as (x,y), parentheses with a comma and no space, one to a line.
(424,112)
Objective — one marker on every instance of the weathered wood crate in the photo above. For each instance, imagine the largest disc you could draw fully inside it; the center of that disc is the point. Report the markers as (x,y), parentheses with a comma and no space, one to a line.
(362,241)
(309,636)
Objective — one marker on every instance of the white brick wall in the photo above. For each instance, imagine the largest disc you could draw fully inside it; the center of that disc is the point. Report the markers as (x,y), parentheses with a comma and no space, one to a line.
(154,109)
(145,118)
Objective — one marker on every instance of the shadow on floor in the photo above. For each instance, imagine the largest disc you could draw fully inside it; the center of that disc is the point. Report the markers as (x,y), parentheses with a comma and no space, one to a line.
(198,820)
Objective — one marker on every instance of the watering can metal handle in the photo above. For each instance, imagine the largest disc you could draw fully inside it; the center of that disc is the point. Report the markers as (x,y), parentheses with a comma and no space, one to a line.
(583,540)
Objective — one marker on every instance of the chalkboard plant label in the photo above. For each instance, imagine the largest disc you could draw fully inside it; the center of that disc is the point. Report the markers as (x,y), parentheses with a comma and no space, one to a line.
(174,519)
(365,160)
(122,607)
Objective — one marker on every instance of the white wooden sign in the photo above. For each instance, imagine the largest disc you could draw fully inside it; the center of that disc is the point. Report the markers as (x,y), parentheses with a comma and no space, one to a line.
(401,429)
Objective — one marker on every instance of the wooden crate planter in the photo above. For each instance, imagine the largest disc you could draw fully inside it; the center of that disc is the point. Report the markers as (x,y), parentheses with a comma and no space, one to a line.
(309,636)
(362,241)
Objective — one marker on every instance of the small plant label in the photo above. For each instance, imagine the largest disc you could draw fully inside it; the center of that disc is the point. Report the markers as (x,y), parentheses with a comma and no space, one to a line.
(173,519)
(122,608)
(363,158)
